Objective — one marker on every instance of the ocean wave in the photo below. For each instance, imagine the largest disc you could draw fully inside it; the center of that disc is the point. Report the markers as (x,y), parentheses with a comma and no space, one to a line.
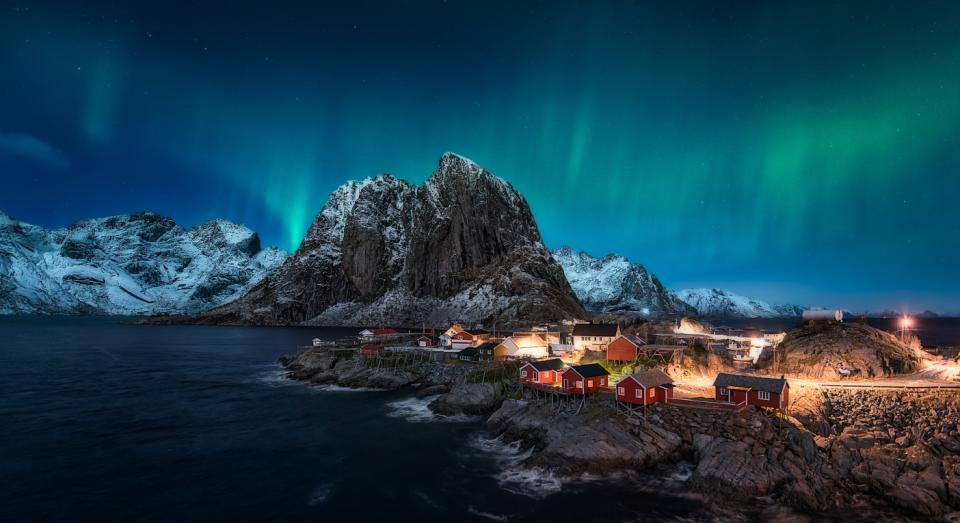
(417,410)
(513,477)
(275,377)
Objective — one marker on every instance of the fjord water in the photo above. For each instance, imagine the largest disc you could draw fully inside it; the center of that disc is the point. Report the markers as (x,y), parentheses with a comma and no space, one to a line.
(105,421)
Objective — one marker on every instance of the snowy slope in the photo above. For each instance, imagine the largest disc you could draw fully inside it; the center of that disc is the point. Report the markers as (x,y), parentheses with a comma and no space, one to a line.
(614,284)
(721,303)
(130,264)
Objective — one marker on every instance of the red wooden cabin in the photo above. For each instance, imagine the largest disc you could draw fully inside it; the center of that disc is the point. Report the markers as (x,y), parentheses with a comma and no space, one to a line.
(645,388)
(773,393)
(624,347)
(371,350)
(542,371)
(584,379)
(427,341)
(384,331)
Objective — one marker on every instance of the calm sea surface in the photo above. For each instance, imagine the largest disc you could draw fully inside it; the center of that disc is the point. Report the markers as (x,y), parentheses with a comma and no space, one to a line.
(101,421)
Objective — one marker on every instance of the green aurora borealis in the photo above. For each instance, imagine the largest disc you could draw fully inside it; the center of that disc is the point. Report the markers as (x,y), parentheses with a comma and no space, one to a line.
(801,152)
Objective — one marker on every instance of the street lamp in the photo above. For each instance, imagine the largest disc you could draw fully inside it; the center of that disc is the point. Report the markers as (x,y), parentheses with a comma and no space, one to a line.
(906,322)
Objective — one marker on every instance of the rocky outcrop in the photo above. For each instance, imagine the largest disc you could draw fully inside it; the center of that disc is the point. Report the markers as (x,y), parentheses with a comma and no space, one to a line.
(819,350)
(464,246)
(469,398)
(613,284)
(591,440)
(134,264)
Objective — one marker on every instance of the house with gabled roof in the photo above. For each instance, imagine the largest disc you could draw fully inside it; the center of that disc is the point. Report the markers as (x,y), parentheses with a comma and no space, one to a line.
(541,371)
(625,347)
(584,379)
(645,388)
(516,347)
(594,336)
(772,393)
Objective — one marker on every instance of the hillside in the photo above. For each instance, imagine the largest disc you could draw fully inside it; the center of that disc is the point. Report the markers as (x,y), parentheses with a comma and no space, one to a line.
(818,350)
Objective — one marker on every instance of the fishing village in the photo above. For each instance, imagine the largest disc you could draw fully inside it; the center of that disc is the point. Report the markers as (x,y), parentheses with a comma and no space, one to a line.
(829,414)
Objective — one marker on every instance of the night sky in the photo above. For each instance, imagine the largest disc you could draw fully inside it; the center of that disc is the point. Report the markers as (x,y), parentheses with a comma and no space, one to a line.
(796,151)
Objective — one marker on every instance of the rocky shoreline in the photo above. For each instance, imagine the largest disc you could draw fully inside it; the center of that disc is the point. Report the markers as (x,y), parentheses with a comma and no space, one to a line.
(882,455)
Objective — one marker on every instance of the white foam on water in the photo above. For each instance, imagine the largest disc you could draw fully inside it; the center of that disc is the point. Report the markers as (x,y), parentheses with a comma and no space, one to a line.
(514,477)
(320,494)
(417,410)
(680,473)
(495,517)
(338,388)
(275,378)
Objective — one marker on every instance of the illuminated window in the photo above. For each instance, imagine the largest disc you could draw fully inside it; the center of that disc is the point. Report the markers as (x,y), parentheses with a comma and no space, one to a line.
(579,384)
(621,391)
(763,395)
(653,392)
(589,383)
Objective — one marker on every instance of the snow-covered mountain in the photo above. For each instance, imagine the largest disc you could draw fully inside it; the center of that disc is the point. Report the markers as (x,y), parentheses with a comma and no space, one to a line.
(463,246)
(130,264)
(614,284)
(725,304)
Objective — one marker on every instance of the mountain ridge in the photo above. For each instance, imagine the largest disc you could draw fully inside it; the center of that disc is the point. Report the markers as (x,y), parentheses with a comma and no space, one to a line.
(463,246)
(614,284)
(130,264)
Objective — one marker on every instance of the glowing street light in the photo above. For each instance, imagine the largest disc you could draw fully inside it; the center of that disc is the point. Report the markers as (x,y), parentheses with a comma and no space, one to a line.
(906,323)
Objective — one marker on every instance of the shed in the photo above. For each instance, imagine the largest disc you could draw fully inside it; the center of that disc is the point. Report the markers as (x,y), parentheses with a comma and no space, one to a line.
(584,379)
(645,388)
(541,371)
(625,347)
(773,393)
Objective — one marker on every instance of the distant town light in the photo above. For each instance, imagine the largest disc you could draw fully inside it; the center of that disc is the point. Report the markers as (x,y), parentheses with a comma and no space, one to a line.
(906,322)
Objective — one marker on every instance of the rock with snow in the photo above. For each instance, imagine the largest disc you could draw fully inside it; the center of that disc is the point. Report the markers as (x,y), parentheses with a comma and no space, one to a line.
(719,303)
(462,247)
(130,264)
(613,284)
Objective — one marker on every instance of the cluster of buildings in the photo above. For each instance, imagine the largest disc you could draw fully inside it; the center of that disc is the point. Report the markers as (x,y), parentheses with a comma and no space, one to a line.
(652,386)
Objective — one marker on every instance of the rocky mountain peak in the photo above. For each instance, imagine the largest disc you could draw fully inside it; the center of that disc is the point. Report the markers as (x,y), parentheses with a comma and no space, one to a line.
(463,246)
(614,284)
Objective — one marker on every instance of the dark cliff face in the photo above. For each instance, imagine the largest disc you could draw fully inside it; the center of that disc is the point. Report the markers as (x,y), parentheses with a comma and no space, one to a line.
(464,246)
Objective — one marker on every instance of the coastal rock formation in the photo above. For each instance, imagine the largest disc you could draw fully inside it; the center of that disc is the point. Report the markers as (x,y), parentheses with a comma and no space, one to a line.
(717,303)
(463,246)
(469,398)
(613,284)
(819,350)
(591,440)
(132,264)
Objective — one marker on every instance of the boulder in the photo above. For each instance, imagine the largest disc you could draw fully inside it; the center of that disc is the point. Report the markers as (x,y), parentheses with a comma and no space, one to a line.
(469,398)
